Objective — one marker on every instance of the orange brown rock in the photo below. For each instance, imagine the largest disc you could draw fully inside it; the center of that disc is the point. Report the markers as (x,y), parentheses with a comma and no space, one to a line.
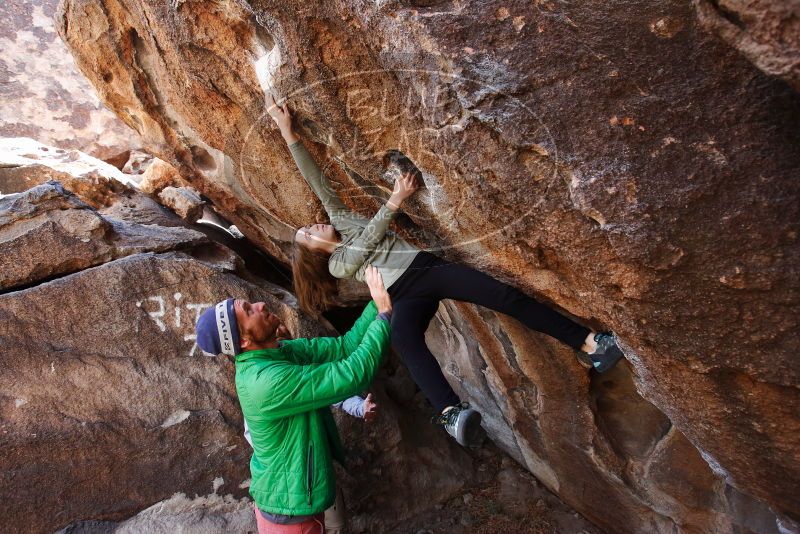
(681,237)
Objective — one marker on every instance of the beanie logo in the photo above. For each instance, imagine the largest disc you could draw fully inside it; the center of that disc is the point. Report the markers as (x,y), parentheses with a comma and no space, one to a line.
(224,329)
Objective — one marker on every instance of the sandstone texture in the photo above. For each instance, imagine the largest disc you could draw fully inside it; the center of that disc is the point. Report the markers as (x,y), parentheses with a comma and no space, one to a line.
(620,161)
(167,419)
(47,231)
(25,163)
(184,201)
(767,32)
(566,427)
(107,404)
(43,94)
(111,417)
(159,175)
(137,163)
(139,208)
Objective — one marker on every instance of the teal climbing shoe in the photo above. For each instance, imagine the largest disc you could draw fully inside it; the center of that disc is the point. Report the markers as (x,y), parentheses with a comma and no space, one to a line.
(463,423)
(607,354)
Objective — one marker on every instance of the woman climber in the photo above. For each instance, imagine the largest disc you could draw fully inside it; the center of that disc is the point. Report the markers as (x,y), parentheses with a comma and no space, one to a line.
(416,281)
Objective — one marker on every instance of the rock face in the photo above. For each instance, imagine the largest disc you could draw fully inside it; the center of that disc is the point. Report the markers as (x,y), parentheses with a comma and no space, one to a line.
(567,427)
(25,163)
(619,161)
(767,32)
(184,201)
(47,231)
(107,405)
(167,420)
(47,98)
(158,176)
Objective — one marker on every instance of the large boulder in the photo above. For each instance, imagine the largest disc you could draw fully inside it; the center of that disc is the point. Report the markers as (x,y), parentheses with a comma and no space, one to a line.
(108,405)
(25,163)
(47,231)
(111,297)
(620,162)
(46,97)
(593,439)
(158,176)
(184,201)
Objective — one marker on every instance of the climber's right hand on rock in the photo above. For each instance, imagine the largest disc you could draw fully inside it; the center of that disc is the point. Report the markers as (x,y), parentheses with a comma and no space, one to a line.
(377,291)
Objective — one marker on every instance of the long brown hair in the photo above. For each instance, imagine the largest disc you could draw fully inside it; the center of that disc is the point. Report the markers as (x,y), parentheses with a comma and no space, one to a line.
(315,287)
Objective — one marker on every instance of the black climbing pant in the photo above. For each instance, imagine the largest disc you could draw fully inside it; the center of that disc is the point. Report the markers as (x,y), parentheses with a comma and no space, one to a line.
(415,299)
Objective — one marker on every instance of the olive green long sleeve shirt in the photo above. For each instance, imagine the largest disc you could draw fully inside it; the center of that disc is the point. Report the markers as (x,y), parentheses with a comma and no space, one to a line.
(364,241)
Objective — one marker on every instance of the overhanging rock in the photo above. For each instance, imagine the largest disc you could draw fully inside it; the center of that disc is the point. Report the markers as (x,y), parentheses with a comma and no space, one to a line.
(618,161)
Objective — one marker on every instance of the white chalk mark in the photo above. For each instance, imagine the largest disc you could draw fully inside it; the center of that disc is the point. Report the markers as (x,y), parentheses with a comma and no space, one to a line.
(266,66)
(192,337)
(175,418)
(158,314)
(218,482)
(20,402)
(177,297)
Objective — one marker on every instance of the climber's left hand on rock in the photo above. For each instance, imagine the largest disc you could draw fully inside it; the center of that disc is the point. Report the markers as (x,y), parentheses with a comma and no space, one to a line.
(404,187)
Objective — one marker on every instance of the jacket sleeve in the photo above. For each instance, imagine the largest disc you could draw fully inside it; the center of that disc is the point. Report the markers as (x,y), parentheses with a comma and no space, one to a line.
(286,389)
(331,349)
(346,260)
(341,217)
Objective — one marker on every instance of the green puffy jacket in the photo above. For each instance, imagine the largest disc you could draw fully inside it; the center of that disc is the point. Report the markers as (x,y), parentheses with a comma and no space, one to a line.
(285,394)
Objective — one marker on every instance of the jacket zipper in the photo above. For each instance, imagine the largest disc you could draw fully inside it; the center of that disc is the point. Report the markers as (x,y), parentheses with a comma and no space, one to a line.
(310,474)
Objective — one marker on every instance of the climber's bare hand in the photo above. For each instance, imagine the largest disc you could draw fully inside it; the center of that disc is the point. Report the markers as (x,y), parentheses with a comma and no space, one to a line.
(280,114)
(404,187)
(370,409)
(282,117)
(377,290)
